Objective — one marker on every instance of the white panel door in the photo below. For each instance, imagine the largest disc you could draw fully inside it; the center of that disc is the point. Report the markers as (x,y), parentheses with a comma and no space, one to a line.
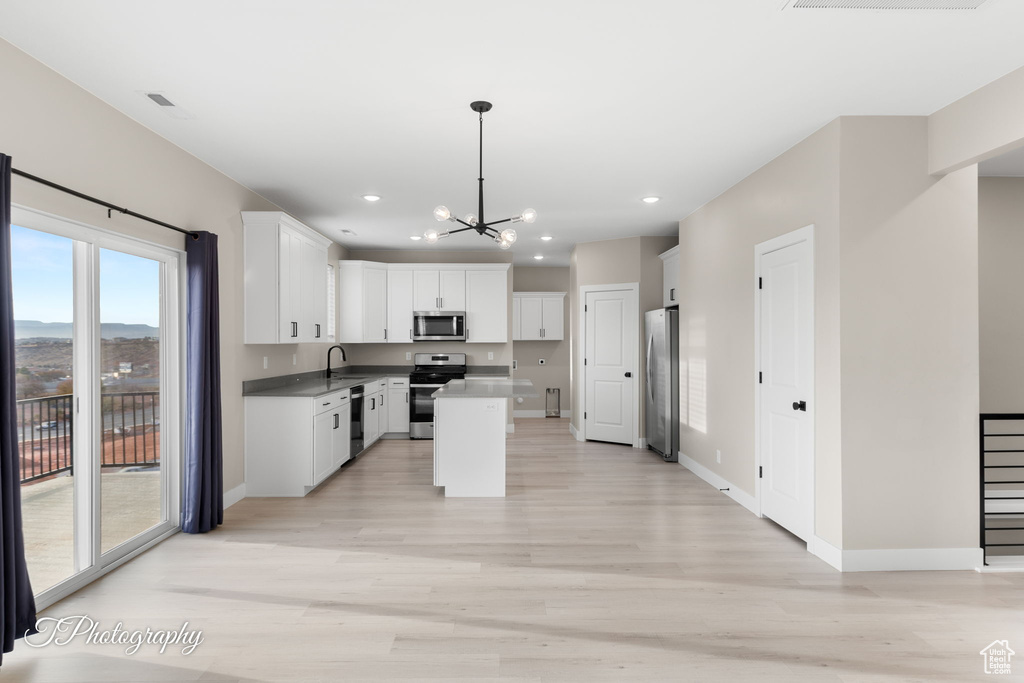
(486,306)
(787,383)
(530,317)
(426,287)
(400,306)
(551,318)
(375,303)
(610,355)
(453,290)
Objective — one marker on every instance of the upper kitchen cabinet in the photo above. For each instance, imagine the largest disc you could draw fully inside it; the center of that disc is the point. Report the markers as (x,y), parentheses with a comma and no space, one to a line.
(363,295)
(400,305)
(670,261)
(487,303)
(538,316)
(285,280)
(439,289)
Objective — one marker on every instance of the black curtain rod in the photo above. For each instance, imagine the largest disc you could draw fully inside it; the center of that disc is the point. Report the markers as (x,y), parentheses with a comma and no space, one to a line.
(110,207)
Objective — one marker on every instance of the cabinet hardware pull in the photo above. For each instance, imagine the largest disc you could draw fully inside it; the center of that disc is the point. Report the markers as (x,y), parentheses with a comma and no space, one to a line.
(385,333)
(672,294)
(327,404)
(336,425)
(317,330)
(407,397)
(295,329)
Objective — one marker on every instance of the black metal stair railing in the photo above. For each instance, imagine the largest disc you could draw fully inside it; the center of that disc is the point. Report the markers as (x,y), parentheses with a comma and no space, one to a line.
(1001,461)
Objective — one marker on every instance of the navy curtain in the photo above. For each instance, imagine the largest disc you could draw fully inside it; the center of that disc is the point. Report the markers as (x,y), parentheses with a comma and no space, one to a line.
(203,502)
(17,605)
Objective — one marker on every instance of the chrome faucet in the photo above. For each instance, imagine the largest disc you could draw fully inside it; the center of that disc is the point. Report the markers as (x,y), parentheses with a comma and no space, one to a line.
(336,346)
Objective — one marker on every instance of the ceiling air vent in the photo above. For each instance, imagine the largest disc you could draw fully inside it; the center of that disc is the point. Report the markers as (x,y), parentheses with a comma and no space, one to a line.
(159,99)
(886,4)
(167,107)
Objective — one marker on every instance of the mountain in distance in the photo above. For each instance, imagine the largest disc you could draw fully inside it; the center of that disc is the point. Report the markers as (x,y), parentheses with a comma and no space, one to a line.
(28,329)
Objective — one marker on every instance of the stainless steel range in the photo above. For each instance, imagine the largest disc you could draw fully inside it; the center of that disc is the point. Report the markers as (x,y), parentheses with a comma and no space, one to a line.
(432,371)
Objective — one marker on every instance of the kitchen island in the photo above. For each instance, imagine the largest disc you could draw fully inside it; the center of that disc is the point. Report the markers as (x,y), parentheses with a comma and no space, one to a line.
(469,435)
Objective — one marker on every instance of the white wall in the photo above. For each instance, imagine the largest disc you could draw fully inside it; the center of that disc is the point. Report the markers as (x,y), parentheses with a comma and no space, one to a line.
(716,313)
(909,308)
(55,130)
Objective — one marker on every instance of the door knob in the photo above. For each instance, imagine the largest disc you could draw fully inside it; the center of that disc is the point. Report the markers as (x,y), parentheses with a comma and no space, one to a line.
(629,374)
(800,405)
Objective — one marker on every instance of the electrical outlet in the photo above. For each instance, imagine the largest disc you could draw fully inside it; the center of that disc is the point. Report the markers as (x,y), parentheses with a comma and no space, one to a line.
(295,359)
(490,355)
(265,363)
(718,456)
(541,362)
(408,355)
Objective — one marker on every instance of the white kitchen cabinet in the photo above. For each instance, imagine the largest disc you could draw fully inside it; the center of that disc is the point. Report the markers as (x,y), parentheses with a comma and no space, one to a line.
(294,443)
(487,305)
(400,306)
(371,414)
(363,301)
(341,446)
(284,284)
(670,291)
(398,405)
(439,289)
(540,316)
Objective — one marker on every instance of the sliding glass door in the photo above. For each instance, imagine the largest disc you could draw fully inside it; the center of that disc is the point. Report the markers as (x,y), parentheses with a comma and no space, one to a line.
(97,322)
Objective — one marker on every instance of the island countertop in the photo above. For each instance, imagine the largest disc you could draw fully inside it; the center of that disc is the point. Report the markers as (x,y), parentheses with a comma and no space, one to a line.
(487,388)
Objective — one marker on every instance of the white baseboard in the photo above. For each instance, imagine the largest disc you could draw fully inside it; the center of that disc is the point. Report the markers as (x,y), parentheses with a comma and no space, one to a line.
(911,559)
(574,432)
(234,495)
(821,548)
(1002,563)
(741,497)
(538,413)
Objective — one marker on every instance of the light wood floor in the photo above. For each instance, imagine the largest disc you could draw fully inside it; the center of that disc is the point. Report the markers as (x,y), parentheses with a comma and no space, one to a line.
(602,564)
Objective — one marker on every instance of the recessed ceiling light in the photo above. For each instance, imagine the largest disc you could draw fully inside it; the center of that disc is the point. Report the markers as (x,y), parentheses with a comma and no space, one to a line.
(547,238)
(350,233)
(650,200)
(538,257)
(416,238)
(371,197)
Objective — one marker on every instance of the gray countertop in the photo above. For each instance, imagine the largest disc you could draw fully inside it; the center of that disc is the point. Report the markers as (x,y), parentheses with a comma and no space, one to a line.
(311,388)
(487,388)
(313,384)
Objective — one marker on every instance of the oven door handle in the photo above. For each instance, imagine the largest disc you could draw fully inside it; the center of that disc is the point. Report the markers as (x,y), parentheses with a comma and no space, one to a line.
(425,386)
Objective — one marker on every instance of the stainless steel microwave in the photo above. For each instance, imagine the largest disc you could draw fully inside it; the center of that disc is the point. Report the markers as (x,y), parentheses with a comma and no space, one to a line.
(439,326)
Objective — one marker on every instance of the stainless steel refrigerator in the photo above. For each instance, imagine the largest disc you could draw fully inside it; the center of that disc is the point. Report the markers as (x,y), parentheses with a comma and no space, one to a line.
(661,399)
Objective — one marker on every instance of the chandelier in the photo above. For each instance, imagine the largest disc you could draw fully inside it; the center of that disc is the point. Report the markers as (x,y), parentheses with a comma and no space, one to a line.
(505,238)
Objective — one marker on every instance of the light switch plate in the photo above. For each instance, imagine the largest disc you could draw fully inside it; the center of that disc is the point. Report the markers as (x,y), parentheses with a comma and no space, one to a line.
(265,362)
(408,355)
(295,359)
(490,355)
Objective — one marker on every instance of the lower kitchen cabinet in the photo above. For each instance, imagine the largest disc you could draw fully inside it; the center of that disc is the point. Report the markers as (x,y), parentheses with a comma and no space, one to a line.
(294,443)
(398,405)
(374,413)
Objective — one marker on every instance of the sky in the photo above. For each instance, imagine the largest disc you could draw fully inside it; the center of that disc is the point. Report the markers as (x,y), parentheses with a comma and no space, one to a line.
(42,274)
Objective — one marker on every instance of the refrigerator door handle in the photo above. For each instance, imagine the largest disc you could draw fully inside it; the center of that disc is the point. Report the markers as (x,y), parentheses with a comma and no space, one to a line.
(650,345)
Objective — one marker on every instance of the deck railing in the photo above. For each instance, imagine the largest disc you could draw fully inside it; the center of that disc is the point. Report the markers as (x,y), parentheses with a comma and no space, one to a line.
(46,430)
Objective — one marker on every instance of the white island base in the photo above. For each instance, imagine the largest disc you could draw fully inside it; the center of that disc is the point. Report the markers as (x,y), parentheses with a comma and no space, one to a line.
(469,447)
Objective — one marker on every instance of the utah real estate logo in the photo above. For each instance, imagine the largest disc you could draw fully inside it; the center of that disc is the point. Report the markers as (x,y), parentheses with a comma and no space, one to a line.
(997,657)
